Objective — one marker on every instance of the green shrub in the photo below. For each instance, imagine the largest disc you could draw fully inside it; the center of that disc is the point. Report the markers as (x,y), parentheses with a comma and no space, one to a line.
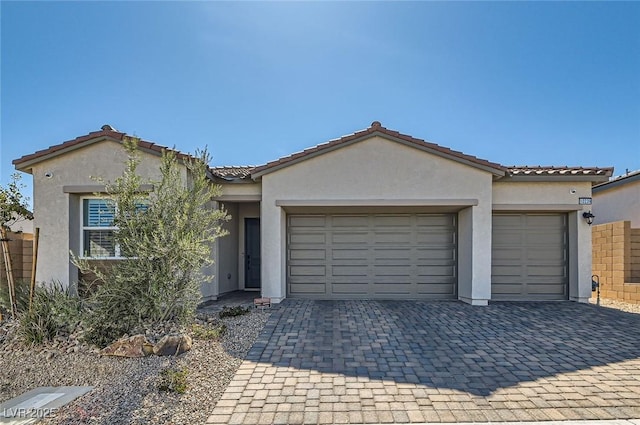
(54,310)
(233,311)
(173,380)
(22,294)
(167,235)
(208,333)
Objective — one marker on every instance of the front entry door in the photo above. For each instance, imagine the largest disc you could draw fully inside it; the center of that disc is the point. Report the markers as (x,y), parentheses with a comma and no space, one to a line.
(252,253)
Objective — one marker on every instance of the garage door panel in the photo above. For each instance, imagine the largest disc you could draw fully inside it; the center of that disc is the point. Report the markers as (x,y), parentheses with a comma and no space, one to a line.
(553,256)
(307,270)
(506,256)
(440,255)
(392,289)
(392,220)
(392,270)
(545,221)
(350,238)
(512,289)
(349,221)
(544,271)
(349,253)
(508,237)
(350,288)
(441,288)
(435,220)
(350,270)
(301,221)
(552,240)
(435,238)
(307,288)
(392,238)
(307,238)
(529,257)
(548,288)
(391,253)
(307,254)
(435,270)
(374,255)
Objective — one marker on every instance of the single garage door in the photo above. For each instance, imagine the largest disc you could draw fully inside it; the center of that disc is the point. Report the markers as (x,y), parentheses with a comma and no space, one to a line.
(529,257)
(372,256)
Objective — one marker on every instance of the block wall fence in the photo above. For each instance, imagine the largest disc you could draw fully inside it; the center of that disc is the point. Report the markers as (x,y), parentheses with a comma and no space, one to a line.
(616,260)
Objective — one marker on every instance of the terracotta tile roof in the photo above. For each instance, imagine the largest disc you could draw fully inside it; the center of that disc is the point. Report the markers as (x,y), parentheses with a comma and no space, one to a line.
(233,172)
(526,170)
(246,171)
(106,132)
(377,129)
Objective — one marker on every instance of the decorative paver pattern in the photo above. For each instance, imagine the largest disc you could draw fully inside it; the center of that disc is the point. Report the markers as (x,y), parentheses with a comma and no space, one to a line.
(321,362)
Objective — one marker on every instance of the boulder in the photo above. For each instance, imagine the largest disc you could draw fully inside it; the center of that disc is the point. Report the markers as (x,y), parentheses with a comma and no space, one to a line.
(172,345)
(133,346)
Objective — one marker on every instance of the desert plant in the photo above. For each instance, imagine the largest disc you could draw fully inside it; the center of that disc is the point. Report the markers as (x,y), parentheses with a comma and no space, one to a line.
(206,332)
(54,310)
(233,311)
(173,380)
(166,236)
(22,295)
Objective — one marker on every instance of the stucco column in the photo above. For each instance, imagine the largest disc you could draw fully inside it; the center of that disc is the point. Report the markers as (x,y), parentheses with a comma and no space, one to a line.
(474,255)
(273,251)
(579,258)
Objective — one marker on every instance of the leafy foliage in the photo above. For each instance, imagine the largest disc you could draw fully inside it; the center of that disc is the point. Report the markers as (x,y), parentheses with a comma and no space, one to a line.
(54,310)
(173,380)
(13,205)
(166,236)
(208,333)
(233,311)
(22,295)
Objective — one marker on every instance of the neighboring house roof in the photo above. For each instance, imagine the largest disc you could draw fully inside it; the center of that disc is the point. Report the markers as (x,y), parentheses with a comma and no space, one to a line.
(376,129)
(617,182)
(106,133)
(594,174)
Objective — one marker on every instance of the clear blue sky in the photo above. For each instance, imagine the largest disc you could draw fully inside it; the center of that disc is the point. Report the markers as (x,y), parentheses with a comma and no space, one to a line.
(512,82)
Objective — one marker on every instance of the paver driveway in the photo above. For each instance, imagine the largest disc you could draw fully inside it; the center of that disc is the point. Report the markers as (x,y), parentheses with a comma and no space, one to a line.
(412,361)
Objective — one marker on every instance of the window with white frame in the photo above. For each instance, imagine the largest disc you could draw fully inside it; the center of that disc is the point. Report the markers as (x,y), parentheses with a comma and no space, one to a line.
(98,228)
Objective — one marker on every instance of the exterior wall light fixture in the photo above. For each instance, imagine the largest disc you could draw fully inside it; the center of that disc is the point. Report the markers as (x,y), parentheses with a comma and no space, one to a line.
(589,217)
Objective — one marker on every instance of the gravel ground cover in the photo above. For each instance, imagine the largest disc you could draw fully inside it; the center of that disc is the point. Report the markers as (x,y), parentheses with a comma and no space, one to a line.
(618,305)
(126,390)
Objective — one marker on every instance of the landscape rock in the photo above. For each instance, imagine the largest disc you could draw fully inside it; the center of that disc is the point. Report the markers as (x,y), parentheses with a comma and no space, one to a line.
(132,346)
(173,345)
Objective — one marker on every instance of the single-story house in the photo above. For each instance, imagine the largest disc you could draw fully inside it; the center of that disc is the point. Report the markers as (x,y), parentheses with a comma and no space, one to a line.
(376,214)
(618,200)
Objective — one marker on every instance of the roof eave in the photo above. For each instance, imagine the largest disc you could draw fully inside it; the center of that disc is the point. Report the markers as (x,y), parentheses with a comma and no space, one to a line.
(26,165)
(497,171)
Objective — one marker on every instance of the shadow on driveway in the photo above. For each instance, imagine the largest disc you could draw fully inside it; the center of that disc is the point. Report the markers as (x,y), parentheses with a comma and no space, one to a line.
(447,344)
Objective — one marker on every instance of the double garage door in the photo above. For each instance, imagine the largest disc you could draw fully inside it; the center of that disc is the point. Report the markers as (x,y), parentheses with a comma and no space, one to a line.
(372,256)
(414,256)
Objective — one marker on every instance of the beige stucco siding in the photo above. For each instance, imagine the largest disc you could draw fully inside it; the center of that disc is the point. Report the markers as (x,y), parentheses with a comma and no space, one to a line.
(618,204)
(540,193)
(241,189)
(57,213)
(385,173)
